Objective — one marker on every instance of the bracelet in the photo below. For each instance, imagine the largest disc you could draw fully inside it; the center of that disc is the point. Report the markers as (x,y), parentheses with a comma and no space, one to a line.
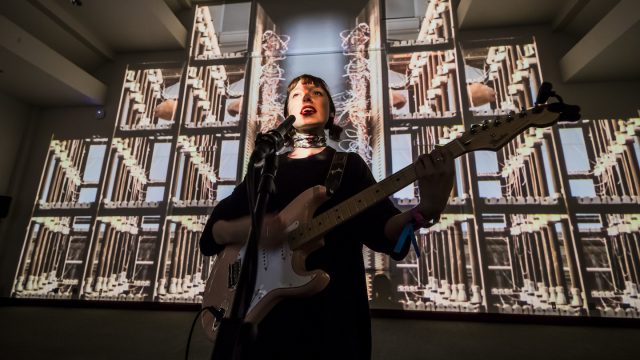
(420,220)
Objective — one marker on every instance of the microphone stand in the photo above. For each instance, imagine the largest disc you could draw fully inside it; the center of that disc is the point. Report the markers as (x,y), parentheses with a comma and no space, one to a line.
(235,337)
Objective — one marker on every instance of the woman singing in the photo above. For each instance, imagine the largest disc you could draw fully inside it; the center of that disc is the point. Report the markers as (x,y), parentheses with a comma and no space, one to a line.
(335,322)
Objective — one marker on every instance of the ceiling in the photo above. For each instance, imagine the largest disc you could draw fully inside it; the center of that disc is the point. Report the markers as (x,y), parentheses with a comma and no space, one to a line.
(50,48)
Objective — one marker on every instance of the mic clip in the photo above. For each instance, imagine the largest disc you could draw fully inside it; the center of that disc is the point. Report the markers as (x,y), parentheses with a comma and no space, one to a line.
(272,141)
(267,143)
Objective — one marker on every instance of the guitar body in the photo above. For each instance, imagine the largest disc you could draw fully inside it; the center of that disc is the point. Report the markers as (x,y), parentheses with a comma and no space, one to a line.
(280,271)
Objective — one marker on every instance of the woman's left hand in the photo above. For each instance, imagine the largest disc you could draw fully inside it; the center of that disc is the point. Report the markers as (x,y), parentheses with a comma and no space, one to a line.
(435,173)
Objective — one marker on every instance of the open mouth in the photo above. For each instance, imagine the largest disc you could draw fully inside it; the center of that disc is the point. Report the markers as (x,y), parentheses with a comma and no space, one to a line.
(308,110)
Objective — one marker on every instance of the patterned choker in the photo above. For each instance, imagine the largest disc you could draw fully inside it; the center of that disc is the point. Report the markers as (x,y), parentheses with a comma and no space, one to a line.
(308,140)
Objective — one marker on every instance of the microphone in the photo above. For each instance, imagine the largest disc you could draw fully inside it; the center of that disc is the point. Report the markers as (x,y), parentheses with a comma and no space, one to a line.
(272,140)
(567,112)
(571,113)
(544,92)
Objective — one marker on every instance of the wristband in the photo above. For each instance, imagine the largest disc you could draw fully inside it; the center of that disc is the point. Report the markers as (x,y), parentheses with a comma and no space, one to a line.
(420,221)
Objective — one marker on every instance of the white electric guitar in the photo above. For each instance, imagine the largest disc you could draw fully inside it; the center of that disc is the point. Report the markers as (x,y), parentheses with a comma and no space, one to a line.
(281,271)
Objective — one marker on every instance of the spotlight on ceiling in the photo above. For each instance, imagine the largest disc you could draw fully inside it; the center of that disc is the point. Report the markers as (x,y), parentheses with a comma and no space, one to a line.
(76,2)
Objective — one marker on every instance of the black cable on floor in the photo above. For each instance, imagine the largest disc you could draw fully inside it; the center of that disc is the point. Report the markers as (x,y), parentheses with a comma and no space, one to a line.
(186,355)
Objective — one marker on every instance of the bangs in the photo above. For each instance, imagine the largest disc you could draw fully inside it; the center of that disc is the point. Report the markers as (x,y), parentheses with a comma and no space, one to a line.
(307,79)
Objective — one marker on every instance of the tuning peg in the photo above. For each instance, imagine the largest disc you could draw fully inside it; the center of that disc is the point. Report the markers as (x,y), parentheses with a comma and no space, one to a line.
(523,112)
(474,128)
(497,121)
(510,116)
(485,124)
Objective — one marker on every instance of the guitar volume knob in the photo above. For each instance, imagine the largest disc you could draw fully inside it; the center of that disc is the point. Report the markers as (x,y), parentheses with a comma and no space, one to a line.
(218,313)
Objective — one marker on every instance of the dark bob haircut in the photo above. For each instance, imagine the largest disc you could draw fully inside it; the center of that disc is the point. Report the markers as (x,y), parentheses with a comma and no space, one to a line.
(334,130)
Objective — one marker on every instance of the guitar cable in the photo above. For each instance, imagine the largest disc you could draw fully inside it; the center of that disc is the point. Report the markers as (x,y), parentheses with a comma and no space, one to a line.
(193,325)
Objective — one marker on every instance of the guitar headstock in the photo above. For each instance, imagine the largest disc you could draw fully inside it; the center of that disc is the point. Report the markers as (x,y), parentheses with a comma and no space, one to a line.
(497,132)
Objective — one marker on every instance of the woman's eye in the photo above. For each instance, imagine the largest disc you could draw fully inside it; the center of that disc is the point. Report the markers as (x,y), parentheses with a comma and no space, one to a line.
(319,93)
(294,95)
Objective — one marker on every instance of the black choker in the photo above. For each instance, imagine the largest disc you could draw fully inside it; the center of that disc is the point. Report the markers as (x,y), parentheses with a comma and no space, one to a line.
(308,140)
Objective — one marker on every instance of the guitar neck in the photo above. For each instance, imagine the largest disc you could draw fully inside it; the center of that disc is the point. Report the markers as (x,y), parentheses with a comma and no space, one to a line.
(490,135)
(363,200)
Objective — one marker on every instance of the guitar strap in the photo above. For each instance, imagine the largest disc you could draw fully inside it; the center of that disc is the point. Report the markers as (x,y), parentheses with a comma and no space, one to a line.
(334,177)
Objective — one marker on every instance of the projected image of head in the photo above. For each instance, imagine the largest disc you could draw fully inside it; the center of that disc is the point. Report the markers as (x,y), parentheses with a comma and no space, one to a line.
(213,96)
(501,77)
(149,98)
(423,85)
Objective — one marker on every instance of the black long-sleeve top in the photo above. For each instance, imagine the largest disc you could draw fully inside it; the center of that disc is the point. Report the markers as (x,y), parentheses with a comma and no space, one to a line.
(334,322)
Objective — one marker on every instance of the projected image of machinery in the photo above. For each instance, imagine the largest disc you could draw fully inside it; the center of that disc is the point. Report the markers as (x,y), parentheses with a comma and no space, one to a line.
(265,101)
(207,167)
(53,259)
(138,172)
(546,225)
(501,78)
(123,259)
(354,111)
(423,84)
(531,265)
(408,143)
(611,250)
(72,170)
(183,269)
(447,274)
(149,98)
(600,158)
(360,110)
(220,31)
(213,96)
(604,160)
(521,173)
(418,23)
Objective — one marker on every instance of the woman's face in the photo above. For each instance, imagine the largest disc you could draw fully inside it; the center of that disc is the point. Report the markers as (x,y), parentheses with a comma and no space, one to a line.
(310,104)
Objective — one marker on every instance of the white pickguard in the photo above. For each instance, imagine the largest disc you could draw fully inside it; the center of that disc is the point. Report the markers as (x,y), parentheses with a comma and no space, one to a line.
(274,271)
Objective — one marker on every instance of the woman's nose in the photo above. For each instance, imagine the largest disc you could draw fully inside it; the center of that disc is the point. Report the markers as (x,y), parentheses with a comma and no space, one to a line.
(306,96)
